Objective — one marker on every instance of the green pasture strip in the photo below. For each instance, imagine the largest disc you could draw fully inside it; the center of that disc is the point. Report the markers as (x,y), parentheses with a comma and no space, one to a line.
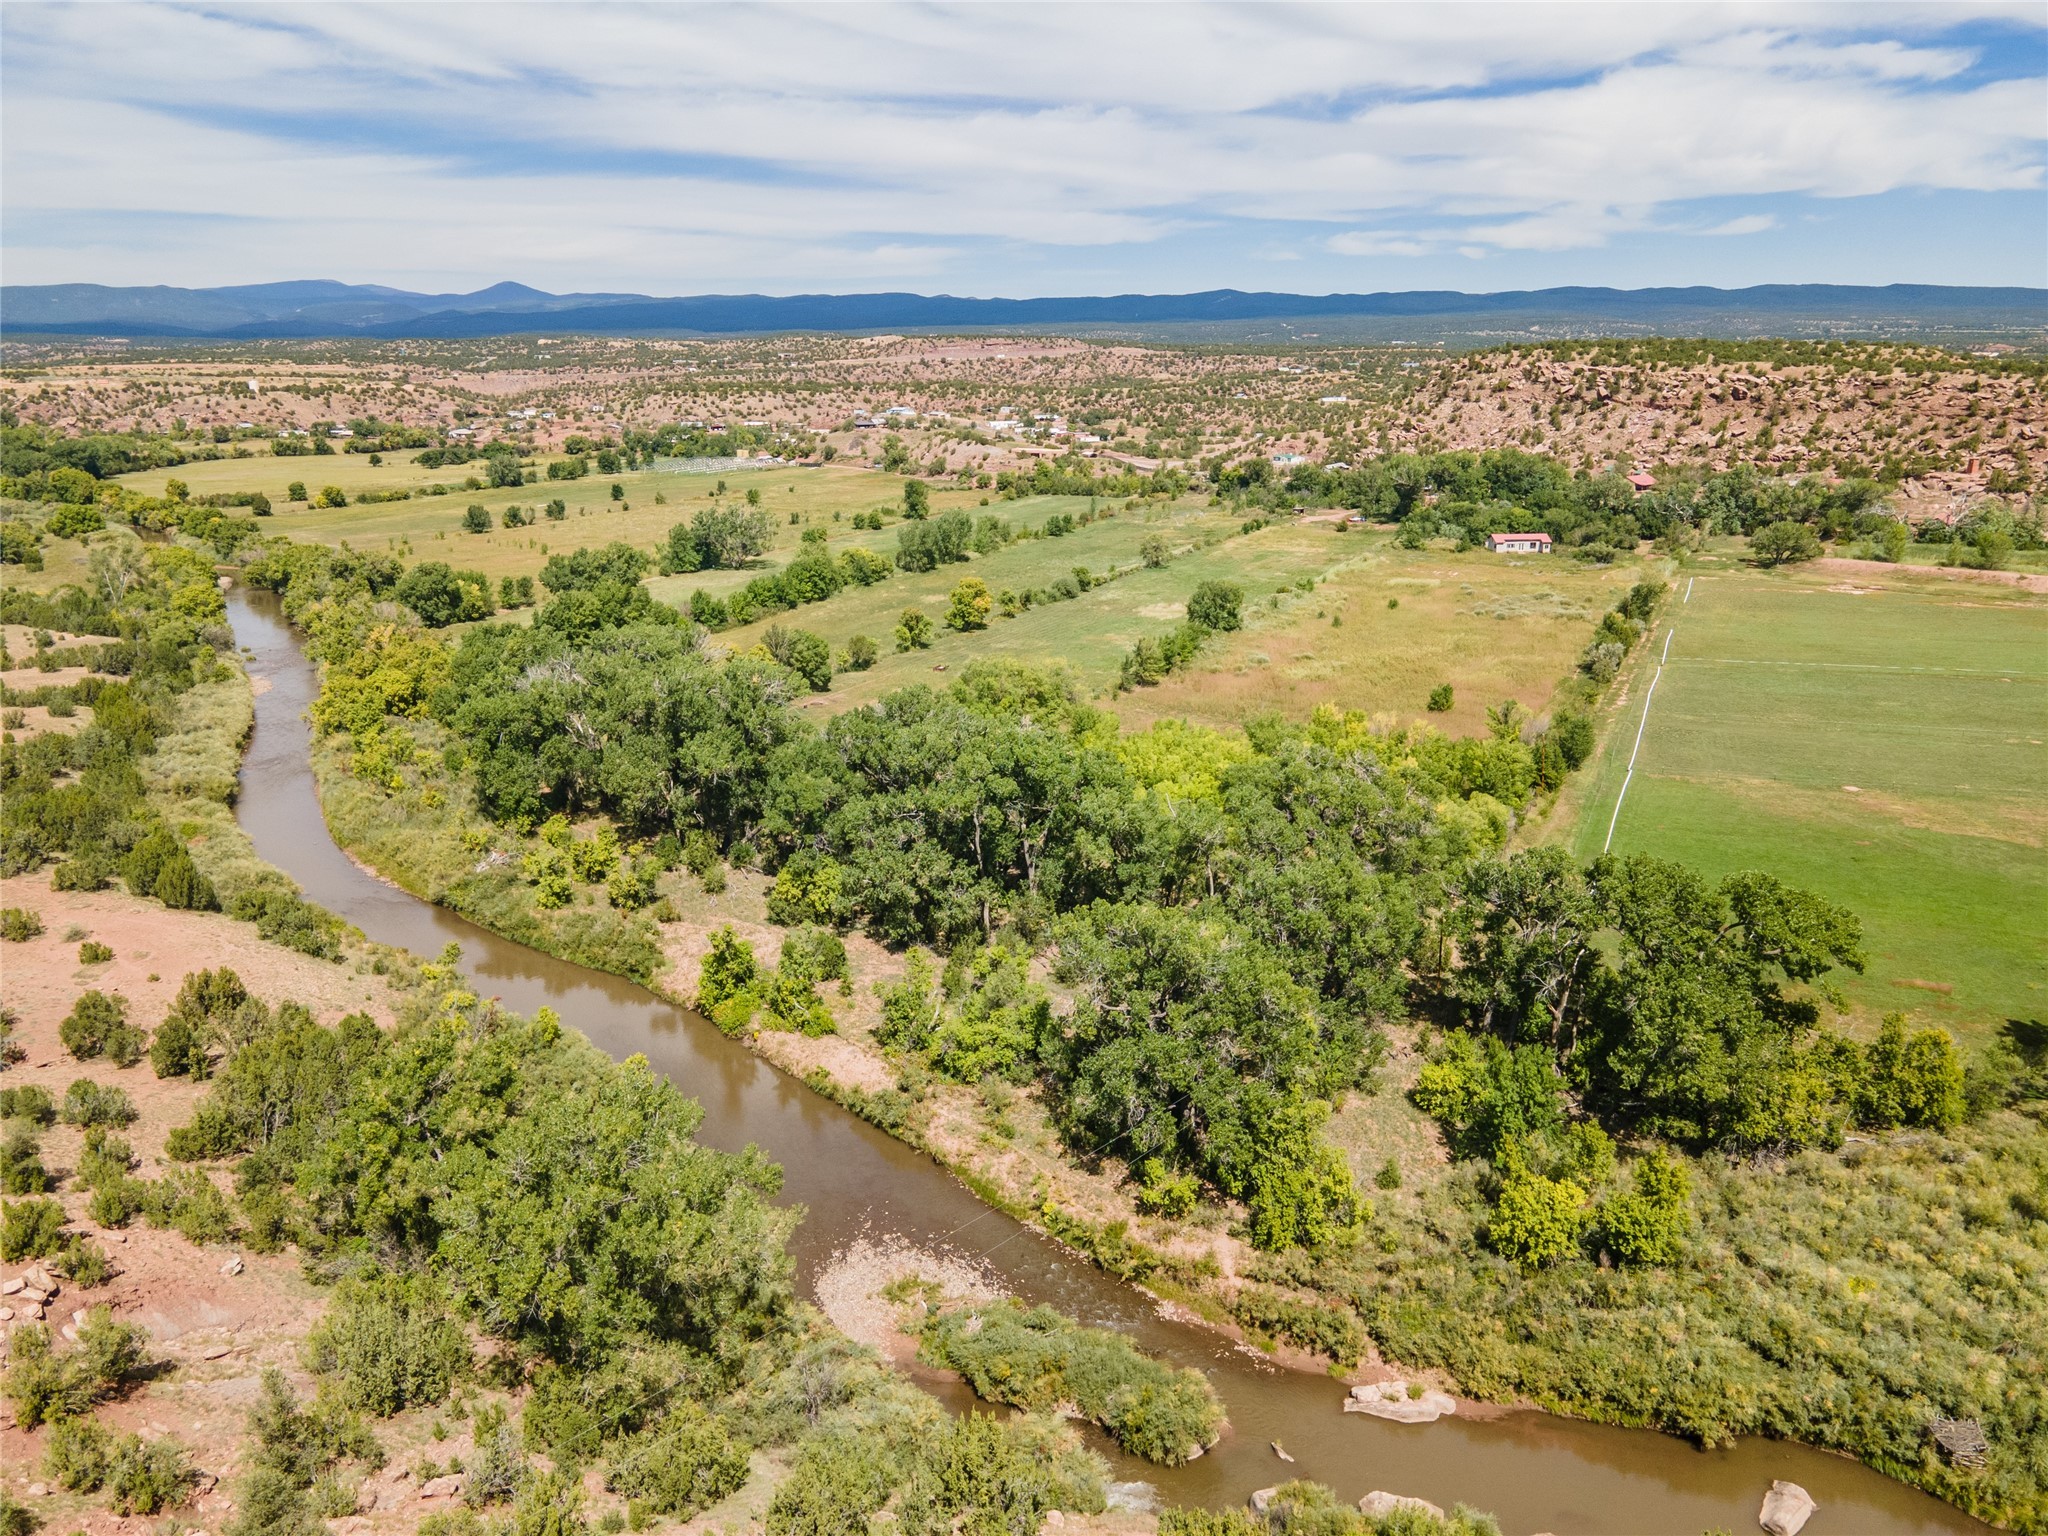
(1884,748)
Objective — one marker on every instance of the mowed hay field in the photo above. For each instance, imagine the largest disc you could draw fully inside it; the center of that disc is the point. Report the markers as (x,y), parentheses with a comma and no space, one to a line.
(1879,741)
(1494,627)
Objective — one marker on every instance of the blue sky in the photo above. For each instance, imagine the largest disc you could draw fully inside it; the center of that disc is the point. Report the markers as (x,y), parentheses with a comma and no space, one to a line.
(1023,149)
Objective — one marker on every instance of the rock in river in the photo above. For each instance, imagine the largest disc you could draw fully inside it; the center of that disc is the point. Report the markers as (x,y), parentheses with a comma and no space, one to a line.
(1787,1508)
(1379,1503)
(1390,1400)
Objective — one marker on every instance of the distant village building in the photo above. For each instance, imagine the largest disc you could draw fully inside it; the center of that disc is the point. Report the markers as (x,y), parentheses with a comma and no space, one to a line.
(1518,543)
(1642,482)
(1283,460)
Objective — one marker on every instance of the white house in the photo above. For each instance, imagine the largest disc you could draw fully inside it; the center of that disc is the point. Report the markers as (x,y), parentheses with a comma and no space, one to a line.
(1518,543)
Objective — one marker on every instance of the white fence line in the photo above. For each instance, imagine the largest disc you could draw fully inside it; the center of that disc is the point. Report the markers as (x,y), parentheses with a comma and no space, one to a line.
(1628,777)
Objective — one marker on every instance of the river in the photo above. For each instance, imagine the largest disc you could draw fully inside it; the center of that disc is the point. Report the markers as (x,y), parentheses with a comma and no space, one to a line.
(1534,1471)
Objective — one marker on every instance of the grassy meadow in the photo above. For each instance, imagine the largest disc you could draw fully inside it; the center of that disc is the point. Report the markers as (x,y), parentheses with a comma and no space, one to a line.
(1879,741)
(1492,626)
(1090,633)
(430,527)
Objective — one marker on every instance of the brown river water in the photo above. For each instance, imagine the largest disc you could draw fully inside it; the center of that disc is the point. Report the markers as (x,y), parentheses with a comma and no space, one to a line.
(1534,1471)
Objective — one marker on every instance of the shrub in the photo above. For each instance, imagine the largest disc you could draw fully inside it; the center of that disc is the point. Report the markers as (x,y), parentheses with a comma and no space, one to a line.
(792,1004)
(1162,1192)
(1441,698)
(811,954)
(498,1466)
(88,1103)
(41,1387)
(180,886)
(632,885)
(84,1264)
(861,653)
(187,1201)
(687,1462)
(92,952)
(393,1340)
(147,1476)
(1038,1359)
(287,918)
(1573,734)
(1217,605)
(913,630)
(21,1164)
(970,605)
(1910,1080)
(45,1387)
(807,889)
(109,1353)
(298,1445)
(30,1229)
(1537,1221)
(78,1454)
(1783,542)
(98,1026)
(1324,1330)
(179,1048)
(805,653)
(20,924)
(729,970)
(30,1102)
(1646,1224)
(75,522)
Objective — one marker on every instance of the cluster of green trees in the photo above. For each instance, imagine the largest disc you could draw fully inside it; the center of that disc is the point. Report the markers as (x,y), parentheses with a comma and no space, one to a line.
(1321,857)
(1986,536)
(810,577)
(718,537)
(38,463)
(1467,495)
(1213,607)
(473,1173)
(81,796)
(1072,475)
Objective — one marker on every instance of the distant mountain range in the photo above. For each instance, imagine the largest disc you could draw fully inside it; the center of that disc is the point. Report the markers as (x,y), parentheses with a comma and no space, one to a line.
(329,309)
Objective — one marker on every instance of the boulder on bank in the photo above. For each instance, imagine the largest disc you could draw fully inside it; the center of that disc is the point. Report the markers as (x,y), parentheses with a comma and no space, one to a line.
(1391,1400)
(1787,1508)
(1379,1503)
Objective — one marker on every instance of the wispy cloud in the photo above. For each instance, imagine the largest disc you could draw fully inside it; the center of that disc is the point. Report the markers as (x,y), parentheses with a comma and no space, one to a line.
(1748,224)
(995,148)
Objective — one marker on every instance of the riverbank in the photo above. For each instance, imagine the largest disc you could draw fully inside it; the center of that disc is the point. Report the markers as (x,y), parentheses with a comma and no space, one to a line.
(1417,1287)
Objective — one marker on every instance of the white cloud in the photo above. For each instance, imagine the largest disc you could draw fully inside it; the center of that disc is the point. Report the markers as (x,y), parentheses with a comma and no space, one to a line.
(894,143)
(1747,224)
(1362,242)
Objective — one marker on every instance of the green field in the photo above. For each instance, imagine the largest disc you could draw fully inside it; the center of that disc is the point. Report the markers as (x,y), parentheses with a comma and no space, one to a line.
(1386,625)
(1090,633)
(1880,742)
(429,527)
